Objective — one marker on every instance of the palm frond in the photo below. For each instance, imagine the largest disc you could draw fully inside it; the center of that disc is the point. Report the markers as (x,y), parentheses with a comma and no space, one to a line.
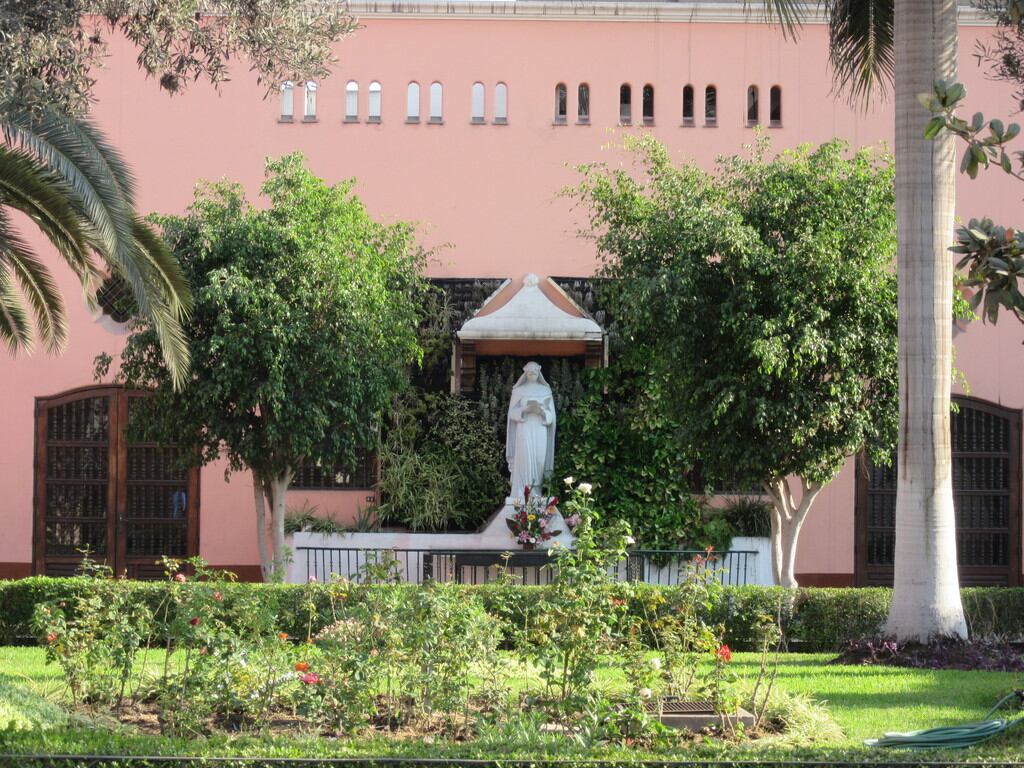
(788,13)
(98,183)
(167,316)
(66,148)
(861,47)
(15,328)
(32,188)
(37,286)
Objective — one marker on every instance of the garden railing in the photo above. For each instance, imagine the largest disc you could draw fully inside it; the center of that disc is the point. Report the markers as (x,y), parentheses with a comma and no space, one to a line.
(665,567)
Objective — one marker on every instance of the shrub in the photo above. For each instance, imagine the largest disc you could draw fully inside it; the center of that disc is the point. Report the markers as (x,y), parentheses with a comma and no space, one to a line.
(441,464)
(812,618)
(748,515)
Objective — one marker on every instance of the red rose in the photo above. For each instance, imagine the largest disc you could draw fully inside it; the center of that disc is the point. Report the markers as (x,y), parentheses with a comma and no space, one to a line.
(526,492)
(301,666)
(51,637)
(724,654)
(194,621)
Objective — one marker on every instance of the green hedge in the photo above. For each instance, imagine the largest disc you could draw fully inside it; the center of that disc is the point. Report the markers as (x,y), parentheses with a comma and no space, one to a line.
(812,618)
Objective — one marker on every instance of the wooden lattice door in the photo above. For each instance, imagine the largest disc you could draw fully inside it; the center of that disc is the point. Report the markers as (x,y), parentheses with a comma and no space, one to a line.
(986,443)
(126,503)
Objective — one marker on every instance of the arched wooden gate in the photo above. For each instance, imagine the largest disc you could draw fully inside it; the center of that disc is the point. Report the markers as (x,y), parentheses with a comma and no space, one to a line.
(986,443)
(127,503)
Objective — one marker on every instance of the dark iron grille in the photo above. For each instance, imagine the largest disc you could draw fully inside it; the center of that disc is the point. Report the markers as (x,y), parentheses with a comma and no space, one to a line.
(70,538)
(76,500)
(115,299)
(154,464)
(76,463)
(884,478)
(881,547)
(85,419)
(157,538)
(981,497)
(77,458)
(882,512)
(313,478)
(157,502)
(972,473)
(976,431)
(983,511)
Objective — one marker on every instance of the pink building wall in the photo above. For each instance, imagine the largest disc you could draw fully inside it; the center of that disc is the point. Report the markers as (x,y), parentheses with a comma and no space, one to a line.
(488,193)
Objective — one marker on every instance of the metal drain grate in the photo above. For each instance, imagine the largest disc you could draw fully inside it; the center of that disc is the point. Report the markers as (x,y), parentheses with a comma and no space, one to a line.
(682,707)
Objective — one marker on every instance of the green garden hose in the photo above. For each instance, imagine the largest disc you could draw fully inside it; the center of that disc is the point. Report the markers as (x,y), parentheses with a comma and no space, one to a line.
(953,736)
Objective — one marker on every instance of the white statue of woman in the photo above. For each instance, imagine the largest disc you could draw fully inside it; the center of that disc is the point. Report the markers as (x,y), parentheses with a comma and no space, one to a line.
(530,440)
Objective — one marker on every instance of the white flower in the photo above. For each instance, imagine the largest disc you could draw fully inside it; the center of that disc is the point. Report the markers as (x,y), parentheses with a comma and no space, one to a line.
(655,663)
(646,693)
(585,488)
(630,540)
(569,481)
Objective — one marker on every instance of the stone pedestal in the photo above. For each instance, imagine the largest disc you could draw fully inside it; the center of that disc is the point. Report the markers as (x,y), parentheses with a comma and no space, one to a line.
(496,529)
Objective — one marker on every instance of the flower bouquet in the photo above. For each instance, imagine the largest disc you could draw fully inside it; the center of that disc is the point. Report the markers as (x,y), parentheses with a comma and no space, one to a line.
(531,522)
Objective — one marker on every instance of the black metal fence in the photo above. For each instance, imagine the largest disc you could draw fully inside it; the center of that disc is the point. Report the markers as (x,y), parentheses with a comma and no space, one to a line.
(477,566)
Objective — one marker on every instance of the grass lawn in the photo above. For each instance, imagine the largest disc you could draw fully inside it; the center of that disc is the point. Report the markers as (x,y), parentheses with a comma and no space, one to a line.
(863,701)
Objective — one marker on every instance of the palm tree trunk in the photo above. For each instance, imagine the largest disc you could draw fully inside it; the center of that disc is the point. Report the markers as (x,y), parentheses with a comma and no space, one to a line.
(926,594)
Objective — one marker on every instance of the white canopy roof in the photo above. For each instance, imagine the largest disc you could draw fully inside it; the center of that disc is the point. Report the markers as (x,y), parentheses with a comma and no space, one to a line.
(530,314)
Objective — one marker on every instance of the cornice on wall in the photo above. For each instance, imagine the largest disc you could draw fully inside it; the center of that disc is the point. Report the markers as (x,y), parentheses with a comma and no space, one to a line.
(683,11)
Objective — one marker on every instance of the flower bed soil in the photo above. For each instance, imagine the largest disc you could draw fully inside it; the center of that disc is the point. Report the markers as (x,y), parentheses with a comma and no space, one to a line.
(987,655)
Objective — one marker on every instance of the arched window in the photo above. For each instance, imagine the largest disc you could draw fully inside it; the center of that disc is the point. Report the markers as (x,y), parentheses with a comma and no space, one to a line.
(476,103)
(352,102)
(412,103)
(687,105)
(287,101)
(583,103)
(775,106)
(501,104)
(711,105)
(309,105)
(436,103)
(373,108)
(648,103)
(753,108)
(561,102)
(625,104)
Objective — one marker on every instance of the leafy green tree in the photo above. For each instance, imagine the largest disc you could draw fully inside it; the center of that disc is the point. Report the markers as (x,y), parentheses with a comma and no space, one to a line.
(51,49)
(303,328)
(617,437)
(59,171)
(766,302)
